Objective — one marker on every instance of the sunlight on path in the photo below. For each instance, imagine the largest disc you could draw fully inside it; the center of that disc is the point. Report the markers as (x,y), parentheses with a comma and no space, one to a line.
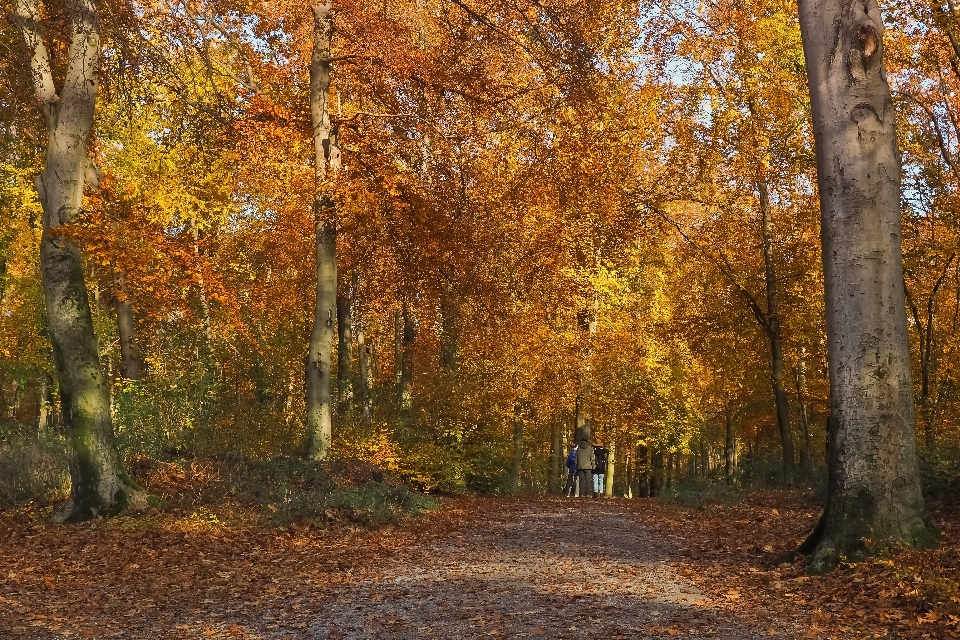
(562,569)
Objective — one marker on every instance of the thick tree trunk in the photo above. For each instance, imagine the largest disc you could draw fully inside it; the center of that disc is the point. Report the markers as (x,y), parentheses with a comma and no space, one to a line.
(129,360)
(643,472)
(874,497)
(776,341)
(326,166)
(99,483)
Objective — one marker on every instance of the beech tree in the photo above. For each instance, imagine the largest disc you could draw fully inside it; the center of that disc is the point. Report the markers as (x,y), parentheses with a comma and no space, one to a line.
(874,496)
(99,483)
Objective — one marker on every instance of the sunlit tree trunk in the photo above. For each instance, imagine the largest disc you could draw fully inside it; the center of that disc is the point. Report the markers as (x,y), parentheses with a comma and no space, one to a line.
(326,166)
(611,468)
(46,405)
(874,497)
(806,458)
(773,332)
(99,483)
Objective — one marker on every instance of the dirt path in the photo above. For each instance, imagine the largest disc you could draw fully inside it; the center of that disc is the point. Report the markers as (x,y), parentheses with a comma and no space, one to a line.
(545,568)
(479,568)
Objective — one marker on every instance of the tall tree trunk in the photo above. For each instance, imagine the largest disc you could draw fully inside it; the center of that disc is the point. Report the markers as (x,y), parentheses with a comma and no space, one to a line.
(611,468)
(874,492)
(326,166)
(556,458)
(730,450)
(656,473)
(806,458)
(449,328)
(773,332)
(407,337)
(129,360)
(99,483)
(46,405)
(517,450)
(344,353)
(584,425)
(363,361)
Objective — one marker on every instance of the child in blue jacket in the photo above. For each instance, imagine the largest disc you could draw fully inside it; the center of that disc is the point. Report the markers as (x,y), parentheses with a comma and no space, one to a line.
(573,487)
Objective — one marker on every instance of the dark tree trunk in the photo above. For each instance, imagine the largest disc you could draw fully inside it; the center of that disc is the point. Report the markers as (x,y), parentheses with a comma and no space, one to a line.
(656,473)
(556,458)
(874,498)
(364,362)
(344,353)
(517,451)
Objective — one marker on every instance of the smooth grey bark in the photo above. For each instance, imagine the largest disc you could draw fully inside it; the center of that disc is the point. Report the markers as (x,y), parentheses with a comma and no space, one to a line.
(99,484)
(326,166)
(874,497)
(772,325)
(129,359)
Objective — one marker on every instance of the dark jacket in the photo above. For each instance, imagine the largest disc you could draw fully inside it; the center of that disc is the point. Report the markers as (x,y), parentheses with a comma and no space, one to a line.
(585,459)
(572,461)
(601,455)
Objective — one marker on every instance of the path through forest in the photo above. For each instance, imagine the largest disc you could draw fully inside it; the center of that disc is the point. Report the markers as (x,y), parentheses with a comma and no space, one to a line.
(476,568)
(548,568)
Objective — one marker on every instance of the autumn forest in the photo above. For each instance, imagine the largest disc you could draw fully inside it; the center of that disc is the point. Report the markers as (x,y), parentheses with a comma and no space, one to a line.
(329,268)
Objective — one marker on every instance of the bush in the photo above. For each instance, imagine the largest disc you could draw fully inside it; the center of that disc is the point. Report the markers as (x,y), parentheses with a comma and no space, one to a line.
(699,492)
(33,469)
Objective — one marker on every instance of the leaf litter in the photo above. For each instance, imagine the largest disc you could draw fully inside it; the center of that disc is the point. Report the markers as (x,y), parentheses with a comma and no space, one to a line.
(477,568)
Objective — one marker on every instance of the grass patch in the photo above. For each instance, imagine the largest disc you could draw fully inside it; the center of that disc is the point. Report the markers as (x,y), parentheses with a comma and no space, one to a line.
(699,492)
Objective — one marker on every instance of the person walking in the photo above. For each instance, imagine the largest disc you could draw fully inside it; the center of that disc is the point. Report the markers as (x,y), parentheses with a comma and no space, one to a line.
(572,490)
(585,464)
(599,469)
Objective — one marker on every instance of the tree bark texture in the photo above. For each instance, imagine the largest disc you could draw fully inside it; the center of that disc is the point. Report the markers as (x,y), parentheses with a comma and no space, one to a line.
(99,485)
(326,166)
(874,497)
(776,340)
(344,353)
(129,359)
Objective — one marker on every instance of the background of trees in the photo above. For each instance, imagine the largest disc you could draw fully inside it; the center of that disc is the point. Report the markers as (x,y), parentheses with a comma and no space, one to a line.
(509,169)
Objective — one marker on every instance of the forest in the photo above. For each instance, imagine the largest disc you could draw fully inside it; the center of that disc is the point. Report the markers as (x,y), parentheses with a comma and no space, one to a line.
(320,267)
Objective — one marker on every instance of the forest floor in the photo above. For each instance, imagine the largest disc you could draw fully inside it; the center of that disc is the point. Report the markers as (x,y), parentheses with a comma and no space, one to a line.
(475,568)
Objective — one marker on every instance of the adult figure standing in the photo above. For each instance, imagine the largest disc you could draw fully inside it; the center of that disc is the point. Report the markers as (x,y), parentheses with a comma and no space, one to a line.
(599,469)
(572,489)
(585,464)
